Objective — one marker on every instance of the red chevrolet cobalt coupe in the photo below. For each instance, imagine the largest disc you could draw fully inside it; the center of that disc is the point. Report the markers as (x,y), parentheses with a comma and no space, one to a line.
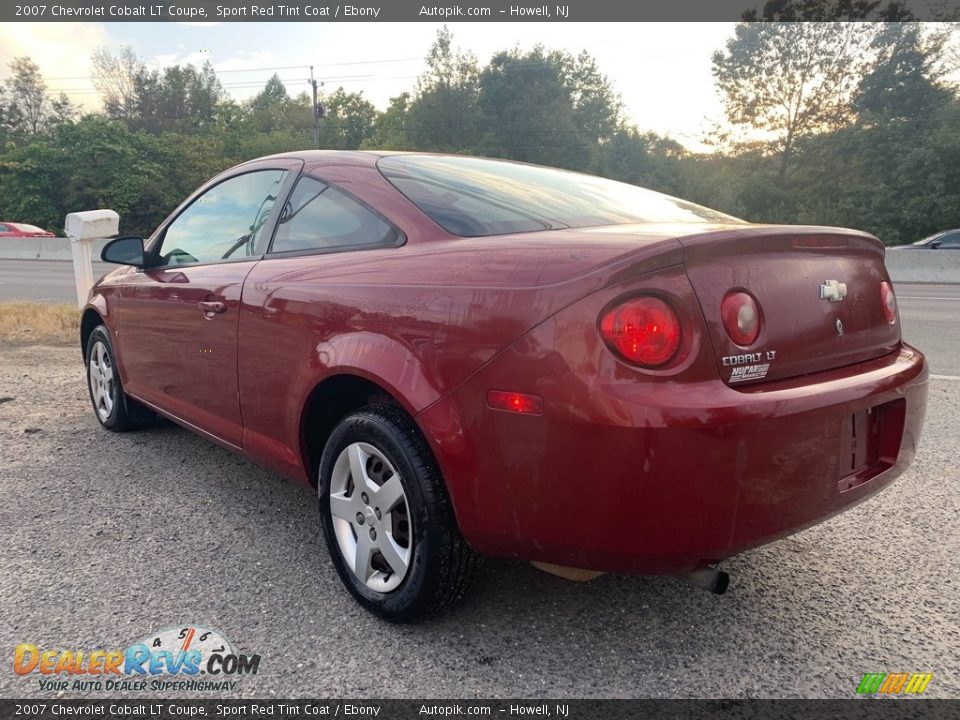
(472,356)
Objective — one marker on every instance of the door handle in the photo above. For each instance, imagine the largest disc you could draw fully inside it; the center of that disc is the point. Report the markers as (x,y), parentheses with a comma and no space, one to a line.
(212,306)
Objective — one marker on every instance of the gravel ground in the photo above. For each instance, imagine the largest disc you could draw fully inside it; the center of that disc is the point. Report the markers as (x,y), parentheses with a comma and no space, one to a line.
(107,537)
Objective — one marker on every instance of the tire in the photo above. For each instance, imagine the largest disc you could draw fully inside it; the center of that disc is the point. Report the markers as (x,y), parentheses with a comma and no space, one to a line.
(415,562)
(112,407)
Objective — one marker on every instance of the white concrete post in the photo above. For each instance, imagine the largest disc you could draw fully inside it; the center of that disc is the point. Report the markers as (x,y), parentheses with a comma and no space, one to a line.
(83,228)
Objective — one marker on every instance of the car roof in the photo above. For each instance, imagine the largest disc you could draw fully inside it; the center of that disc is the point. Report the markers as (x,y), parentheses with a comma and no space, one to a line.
(357,157)
(364,157)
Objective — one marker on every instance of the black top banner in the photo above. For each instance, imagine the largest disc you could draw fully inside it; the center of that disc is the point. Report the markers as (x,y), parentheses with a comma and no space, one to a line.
(472,11)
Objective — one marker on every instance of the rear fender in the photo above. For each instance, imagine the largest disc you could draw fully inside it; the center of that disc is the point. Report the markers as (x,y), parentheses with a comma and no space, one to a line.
(379,359)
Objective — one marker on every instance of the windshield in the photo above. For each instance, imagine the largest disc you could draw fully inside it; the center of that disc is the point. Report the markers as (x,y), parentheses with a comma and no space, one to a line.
(474,196)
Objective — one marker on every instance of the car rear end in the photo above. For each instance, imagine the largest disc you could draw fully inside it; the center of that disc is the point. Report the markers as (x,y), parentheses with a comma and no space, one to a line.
(676,418)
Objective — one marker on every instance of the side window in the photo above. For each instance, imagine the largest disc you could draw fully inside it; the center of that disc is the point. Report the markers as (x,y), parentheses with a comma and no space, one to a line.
(320,217)
(225,223)
(4,228)
(951,241)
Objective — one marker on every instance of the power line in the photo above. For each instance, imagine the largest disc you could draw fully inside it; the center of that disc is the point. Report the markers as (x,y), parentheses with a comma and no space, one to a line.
(344,80)
(271,69)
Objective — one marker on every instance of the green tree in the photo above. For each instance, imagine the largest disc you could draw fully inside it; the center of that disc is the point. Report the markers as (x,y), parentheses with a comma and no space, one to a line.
(790,81)
(180,98)
(904,81)
(116,79)
(643,159)
(273,109)
(528,111)
(548,107)
(597,107)
(28,106)
(99,163)
(390,126)
(349,122)
(828,11)
(5,121)
(443,113)
(274,93)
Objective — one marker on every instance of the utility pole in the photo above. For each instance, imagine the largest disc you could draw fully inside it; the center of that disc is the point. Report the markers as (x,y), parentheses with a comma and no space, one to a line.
(318,110)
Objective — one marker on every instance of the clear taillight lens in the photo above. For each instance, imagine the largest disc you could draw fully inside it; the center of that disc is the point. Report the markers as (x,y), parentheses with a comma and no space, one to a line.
(741,317)
(643,330)
(889,302)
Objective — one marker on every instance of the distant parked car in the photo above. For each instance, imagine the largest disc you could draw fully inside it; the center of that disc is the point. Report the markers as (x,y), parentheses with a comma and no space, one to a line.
(22,230)
(465,355)
(946,240)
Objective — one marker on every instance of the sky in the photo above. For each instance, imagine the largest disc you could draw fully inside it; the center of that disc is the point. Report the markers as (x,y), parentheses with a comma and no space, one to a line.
(662,70)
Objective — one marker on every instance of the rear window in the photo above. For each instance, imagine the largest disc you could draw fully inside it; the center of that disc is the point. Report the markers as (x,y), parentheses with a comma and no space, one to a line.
(474,196)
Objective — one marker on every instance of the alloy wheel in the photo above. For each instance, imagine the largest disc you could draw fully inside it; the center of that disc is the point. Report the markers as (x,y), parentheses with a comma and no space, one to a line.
(101,380)
(371,517)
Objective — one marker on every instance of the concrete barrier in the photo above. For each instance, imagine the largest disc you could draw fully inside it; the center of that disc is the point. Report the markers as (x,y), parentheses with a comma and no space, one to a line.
(916,265)
(42,248)
(904,264)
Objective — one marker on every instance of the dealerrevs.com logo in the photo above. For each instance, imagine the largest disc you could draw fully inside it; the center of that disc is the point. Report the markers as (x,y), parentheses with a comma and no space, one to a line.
(185,658)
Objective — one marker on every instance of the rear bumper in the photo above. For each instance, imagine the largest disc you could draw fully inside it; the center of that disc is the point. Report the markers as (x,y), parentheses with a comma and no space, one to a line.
(634,477)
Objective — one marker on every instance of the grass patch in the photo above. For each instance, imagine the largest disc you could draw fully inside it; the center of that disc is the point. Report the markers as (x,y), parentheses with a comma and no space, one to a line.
(27,322)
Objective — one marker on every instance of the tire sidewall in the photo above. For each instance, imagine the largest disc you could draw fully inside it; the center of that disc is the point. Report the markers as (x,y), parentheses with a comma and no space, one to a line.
(405,600)
(100,334)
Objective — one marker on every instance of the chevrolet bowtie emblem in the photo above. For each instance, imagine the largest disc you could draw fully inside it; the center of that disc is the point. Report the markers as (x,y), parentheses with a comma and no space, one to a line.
(833,290)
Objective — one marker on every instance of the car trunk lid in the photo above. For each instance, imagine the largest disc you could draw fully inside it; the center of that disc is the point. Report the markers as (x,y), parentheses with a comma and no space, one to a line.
(796,275)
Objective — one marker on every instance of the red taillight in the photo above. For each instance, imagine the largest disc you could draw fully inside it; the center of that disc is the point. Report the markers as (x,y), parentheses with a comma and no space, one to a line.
(741,317)
(889,302)
(515,402)
(644,330)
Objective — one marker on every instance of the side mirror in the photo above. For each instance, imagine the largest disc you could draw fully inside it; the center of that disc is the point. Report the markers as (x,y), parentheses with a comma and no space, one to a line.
(124,251)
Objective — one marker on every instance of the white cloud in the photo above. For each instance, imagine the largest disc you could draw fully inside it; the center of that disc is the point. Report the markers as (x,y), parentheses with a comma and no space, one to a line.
(62,50)
(245,60)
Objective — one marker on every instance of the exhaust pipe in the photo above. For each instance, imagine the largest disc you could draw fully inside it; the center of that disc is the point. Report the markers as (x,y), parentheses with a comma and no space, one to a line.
(709,578)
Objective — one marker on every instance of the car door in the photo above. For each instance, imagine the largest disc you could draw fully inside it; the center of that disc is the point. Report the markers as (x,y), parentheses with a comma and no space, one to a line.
(179,315)
(293,303)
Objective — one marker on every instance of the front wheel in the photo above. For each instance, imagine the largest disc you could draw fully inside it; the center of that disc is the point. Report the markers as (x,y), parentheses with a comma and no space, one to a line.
(387,520)
(114,410)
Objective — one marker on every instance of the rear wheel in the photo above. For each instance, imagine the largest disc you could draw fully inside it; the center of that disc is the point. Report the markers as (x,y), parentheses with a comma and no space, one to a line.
(113,409)
(388,523)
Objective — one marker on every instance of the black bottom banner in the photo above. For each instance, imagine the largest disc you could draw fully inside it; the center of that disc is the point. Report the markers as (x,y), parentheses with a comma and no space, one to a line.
(872,709)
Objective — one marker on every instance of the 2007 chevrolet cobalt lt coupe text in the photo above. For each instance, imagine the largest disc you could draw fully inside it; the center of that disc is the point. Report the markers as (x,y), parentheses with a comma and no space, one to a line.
(475,356)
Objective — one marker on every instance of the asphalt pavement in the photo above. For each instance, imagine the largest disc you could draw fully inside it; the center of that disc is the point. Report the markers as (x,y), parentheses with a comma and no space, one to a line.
(930,320)
(49,281)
